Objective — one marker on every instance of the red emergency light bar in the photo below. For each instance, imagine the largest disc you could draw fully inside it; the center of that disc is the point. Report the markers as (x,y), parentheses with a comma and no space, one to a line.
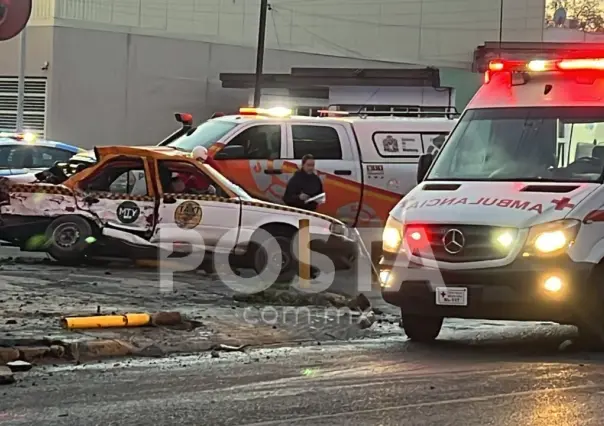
(575,64)
(588,64)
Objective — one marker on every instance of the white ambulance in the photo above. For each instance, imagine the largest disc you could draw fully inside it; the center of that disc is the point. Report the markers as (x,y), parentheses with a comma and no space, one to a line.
(508,220)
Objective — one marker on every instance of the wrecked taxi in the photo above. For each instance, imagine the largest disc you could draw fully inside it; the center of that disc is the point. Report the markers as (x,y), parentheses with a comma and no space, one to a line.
(135,200)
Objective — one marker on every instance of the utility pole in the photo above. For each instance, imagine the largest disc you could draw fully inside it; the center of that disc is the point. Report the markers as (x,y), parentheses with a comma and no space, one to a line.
(21,84)
(260,51)
(500,24)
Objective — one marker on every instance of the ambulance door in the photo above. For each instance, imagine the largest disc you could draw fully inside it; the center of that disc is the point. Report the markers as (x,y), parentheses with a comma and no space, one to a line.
(337,163)
(252,159)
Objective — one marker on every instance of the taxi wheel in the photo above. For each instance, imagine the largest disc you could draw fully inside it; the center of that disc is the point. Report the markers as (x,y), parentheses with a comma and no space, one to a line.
(286,267)
(421,328)
(66,237)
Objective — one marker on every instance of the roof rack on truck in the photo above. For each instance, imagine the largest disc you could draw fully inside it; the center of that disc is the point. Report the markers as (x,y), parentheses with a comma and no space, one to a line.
(364,111)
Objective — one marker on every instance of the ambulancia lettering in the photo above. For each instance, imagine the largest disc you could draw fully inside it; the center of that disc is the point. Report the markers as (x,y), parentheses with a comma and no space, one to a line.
(482,201)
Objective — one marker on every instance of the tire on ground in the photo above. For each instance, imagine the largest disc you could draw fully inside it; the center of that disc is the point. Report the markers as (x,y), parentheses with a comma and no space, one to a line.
(590,313)
(67,238)
(422,329)
(282,237)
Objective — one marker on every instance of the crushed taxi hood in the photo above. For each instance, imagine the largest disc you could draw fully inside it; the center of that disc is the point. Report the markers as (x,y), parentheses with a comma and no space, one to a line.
(517,204)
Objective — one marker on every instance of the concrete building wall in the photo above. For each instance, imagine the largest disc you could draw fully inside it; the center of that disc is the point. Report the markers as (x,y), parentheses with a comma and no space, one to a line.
(435,32)
(119,69)
(126,87)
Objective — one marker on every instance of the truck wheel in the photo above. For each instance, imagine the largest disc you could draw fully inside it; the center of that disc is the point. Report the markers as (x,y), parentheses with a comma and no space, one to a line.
(421,328)
(263,258)
(66,239)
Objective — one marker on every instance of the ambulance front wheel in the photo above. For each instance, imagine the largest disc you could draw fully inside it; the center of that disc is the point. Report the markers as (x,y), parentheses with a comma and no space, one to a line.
(591,336)
(67,239)
(420,328)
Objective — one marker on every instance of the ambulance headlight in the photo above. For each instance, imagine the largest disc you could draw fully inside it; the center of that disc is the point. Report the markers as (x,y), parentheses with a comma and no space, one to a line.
(392,235)
(552,238)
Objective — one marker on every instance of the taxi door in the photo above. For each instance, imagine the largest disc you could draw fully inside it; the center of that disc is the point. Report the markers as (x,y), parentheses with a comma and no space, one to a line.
(213,218)
(336,161)
(253,159)
(121,195)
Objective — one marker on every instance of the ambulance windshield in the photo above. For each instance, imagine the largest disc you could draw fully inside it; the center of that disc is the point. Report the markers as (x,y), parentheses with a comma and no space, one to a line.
(525,144)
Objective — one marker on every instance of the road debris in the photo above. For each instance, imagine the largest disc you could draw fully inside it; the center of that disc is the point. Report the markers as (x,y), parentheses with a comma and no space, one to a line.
(293,297)
(106,321)
(229,348)
(367,319)
(6,376)
(19,366)
(166,318)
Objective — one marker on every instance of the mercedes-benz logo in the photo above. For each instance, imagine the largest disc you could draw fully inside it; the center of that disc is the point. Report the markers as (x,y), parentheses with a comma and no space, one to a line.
(454,241)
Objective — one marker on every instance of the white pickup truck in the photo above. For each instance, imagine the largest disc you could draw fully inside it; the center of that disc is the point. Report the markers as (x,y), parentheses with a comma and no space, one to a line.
(367,161)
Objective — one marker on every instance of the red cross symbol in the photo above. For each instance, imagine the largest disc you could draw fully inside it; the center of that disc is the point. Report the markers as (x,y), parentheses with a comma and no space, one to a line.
(563,203)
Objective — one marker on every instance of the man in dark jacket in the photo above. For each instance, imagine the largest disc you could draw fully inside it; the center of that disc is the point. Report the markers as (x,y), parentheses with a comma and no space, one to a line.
(303,185)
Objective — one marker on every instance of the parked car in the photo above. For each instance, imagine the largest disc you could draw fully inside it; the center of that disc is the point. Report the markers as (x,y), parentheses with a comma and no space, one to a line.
(21,154)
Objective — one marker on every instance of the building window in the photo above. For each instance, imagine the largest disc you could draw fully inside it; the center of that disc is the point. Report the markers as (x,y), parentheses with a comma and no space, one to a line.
(322,142)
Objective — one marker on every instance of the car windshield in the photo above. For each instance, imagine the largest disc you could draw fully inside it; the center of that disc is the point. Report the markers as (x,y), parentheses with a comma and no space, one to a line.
(206,134)
(230,185)
(20,156)
(524,144)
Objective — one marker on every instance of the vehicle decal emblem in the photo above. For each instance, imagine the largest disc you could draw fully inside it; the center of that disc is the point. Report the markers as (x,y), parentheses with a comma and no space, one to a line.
(128,212)
(188,215)
(454,241)
(390,144)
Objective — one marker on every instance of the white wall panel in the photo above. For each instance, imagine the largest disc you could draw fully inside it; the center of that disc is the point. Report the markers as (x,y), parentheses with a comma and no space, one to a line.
(438,32)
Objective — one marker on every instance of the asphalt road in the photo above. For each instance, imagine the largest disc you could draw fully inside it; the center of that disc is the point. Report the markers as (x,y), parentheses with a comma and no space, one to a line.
(479,373)
(370,383)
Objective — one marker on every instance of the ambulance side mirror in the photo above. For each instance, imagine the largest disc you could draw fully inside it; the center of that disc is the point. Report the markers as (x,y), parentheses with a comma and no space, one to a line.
(425,161)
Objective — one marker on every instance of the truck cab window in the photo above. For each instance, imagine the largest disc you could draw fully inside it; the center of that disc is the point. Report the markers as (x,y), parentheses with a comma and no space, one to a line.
(322,142)
(259,142)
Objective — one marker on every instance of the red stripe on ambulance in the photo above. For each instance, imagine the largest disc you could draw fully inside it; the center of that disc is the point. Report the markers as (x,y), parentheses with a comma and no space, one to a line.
(505,203)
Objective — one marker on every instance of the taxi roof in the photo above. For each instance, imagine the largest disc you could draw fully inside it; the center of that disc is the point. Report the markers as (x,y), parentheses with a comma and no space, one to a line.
(157,152)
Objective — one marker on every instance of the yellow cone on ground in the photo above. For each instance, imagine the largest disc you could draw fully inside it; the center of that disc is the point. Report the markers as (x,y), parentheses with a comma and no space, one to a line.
(107,321)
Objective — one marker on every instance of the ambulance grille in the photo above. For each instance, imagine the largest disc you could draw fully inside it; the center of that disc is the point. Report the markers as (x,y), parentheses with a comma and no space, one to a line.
(479,243)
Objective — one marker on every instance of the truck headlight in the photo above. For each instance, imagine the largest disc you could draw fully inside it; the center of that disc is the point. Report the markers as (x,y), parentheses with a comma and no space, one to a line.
(392,235)
(553,238)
